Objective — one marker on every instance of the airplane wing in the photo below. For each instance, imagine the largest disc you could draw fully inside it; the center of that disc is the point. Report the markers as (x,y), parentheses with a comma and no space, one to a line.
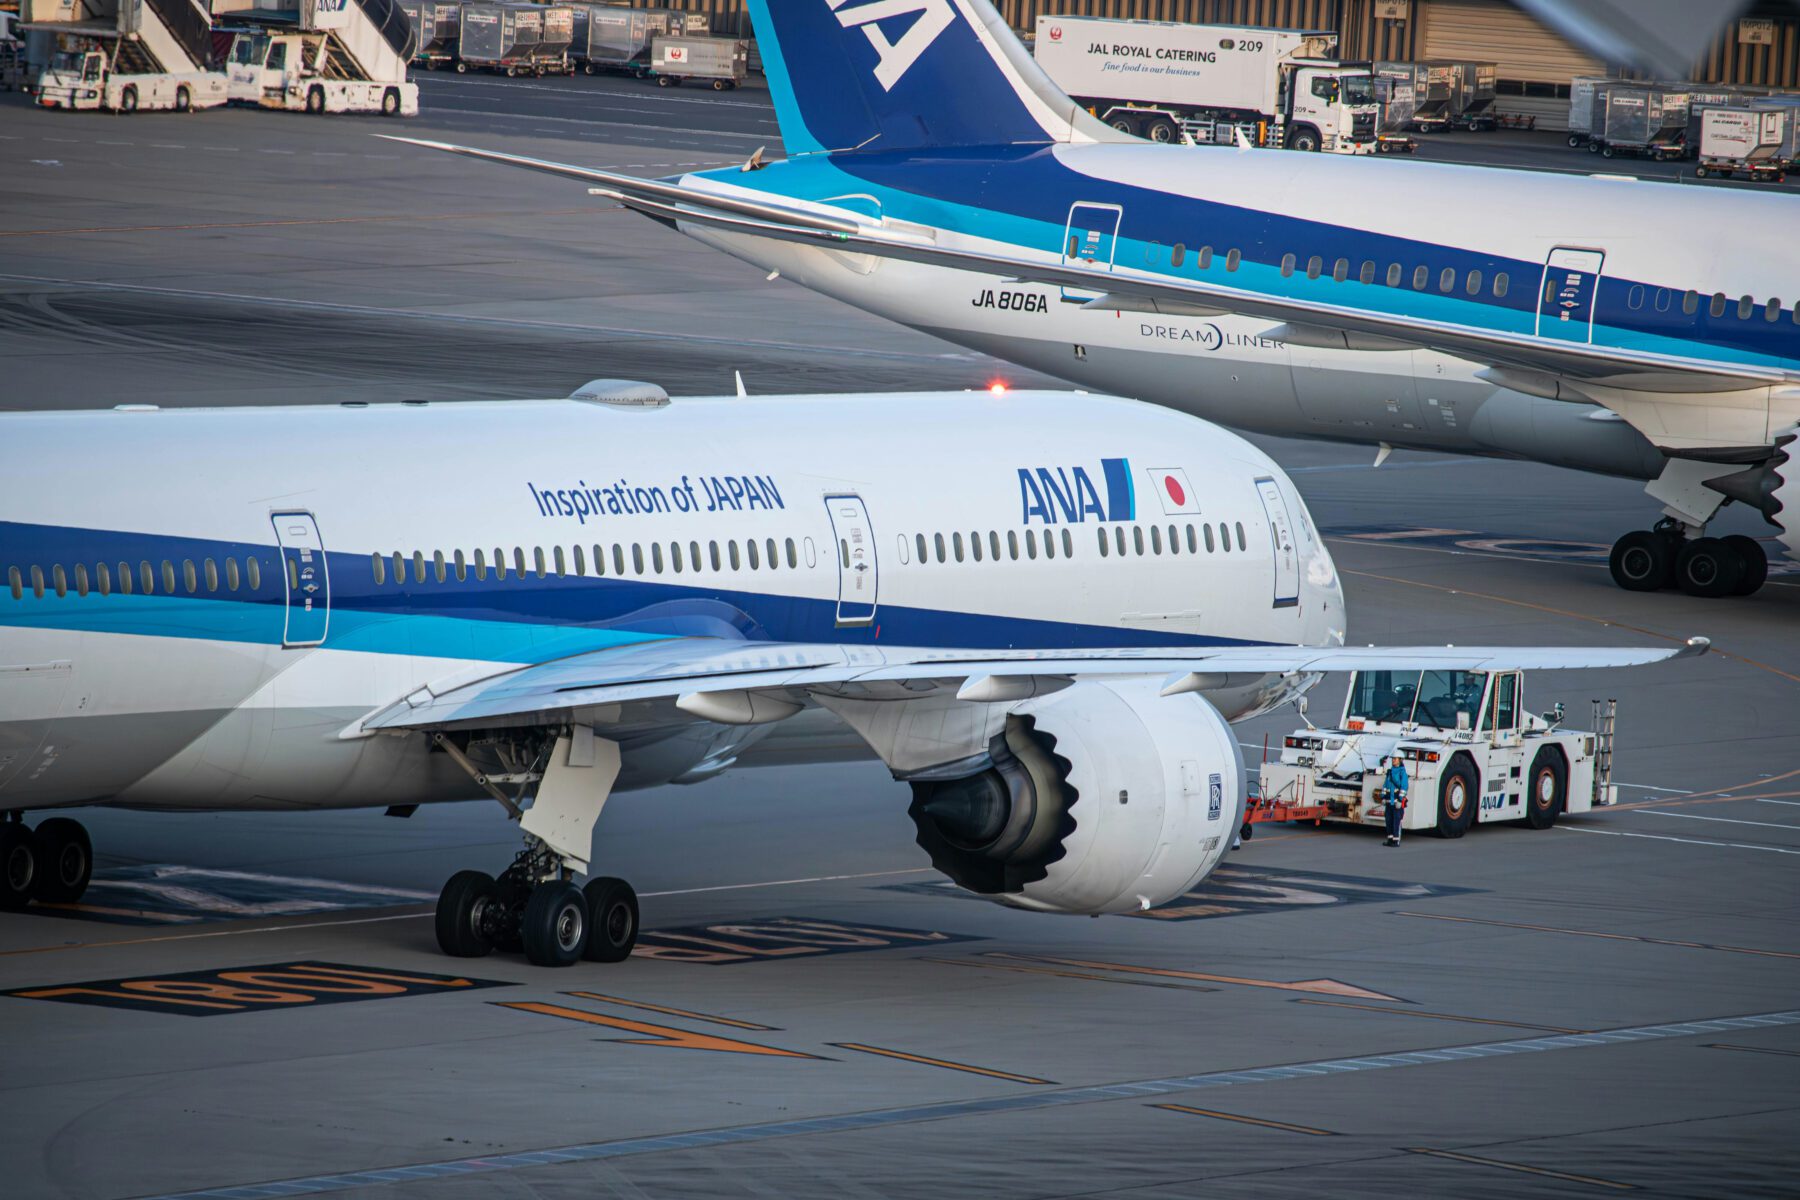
(746,683)
(1309,322)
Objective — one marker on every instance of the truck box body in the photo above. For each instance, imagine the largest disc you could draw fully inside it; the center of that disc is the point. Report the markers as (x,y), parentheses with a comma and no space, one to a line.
(685,57)
(606,35)
(499,33)
(1160,62)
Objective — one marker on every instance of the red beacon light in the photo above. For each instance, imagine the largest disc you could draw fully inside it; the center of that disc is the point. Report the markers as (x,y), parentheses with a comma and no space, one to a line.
(996,388)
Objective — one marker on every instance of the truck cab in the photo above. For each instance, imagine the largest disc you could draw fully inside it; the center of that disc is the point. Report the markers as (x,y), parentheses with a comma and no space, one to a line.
(1329,106)
(1471,750)
(75,79)
(258,64)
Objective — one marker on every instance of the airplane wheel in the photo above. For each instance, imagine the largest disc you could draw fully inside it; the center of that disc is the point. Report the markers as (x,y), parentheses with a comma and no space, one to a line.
(1709,567)
(555,925)
(18,865)
(1456,799)
(1642,561)
(468,911)
(1756,563)
(65,861)
(1549,792)
(613,919)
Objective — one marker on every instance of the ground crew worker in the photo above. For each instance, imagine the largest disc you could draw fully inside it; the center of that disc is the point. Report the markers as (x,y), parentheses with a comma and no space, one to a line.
(1393,788)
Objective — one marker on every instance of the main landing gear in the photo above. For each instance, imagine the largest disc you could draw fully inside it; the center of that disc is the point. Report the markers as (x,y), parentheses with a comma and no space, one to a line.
(1650,560)
(50,864)
(535,905)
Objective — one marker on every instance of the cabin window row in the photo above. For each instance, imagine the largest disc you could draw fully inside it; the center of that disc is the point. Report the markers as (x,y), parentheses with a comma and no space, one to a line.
(1340,271)
(1195,537)
(617,559)
(1142,540)
(1662,299)
(169,577)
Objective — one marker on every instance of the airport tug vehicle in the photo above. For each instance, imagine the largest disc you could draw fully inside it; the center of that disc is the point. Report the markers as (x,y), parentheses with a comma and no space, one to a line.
(1472,753)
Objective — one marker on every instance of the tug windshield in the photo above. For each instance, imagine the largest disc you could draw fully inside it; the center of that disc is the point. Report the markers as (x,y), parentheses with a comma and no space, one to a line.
(1425,698)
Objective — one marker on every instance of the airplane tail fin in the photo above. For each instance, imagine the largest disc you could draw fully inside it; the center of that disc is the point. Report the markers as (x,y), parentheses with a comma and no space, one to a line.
(908,75)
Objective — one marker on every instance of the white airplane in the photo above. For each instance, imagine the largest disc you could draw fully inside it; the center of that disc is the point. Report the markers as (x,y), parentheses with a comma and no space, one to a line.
(935,176)
(1041,609)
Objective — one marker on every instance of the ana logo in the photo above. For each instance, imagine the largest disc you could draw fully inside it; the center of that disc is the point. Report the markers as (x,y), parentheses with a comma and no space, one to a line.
(930,18)
(1067,495)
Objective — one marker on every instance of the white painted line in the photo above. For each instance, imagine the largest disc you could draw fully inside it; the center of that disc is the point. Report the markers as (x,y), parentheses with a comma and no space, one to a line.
(593,124)
(1657,812)
(1688,841)
(1794,803)
(1644,787)
(734,887)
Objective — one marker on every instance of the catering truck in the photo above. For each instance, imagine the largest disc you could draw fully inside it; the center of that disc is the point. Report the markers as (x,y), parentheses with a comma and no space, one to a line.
(127,55)
(1472,754)
(1218,84)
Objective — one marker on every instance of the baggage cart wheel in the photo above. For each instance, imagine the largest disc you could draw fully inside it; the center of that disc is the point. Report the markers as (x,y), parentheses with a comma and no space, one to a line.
(462,68)
(587,68)
(719,85)
(1700,172)
(1593,146)
(1574,140)
(1606,152)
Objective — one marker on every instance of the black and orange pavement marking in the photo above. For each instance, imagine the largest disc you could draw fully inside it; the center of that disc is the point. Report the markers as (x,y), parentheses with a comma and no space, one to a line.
(1438,1016)
(653,1035)
(668,1011)
(468,216)
(1512,1166)
(1327,987)
(1751,1049)
(1062,974)
(946,1064)
(1242,1119)
(1595,933)
(771,938)
(254,989)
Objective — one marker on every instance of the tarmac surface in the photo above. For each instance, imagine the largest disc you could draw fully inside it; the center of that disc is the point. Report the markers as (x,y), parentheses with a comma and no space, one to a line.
(252,1005)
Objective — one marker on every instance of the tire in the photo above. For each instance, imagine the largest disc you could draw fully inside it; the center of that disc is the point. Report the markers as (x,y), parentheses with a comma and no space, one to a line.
(128,99)
(612,919)
(65,861)
(587,68)
(1642,561)
(1709,568)
(663,81)
(555,925)
(390,102)
(1756,563)
(315,100)
(467,910)
(512,72)
(183,101)
(1593,146)
(1607,152)
(719,85)
(462,68)
(1304,139)
(1124,125)
(1458,794)
(18,866)
(1163,131)
(1574,140)
(1547,789)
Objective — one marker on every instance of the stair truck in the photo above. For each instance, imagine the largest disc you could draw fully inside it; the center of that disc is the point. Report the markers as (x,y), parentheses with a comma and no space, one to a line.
(131,55)
(1744,140)
(723,63)
(344,56)
(1172,82)
(1472,754)
(500,37)
(437,27)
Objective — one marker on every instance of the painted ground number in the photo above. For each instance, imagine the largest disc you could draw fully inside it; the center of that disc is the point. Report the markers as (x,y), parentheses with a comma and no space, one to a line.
(254,989)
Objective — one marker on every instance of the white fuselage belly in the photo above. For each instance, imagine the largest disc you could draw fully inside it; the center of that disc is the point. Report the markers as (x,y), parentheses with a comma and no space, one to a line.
(209,696)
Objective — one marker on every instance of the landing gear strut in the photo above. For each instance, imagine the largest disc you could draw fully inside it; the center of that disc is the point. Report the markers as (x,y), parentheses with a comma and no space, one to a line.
(535,905)
(50,864)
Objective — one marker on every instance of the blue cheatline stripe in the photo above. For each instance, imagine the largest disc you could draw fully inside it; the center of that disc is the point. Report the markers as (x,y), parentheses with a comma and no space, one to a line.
(628,1147)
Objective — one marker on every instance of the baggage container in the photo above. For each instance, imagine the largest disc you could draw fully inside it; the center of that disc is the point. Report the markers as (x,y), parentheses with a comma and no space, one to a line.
(722,62)
(437,27)
(499,37)
(608,37)
(1645,119)
(552,50)
(1744,140)
(1581,106)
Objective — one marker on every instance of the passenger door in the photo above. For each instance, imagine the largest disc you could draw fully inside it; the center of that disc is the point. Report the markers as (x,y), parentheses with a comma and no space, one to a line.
(1090,239)
(305,577)
(1281,533)
(1566,297)
(858,573)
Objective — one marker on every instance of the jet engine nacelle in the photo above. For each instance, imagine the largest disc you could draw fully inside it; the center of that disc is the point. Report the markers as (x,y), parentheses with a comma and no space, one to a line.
(1105,797)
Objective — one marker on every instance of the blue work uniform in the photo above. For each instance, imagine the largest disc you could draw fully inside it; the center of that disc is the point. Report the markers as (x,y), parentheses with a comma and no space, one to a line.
(1396,783)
